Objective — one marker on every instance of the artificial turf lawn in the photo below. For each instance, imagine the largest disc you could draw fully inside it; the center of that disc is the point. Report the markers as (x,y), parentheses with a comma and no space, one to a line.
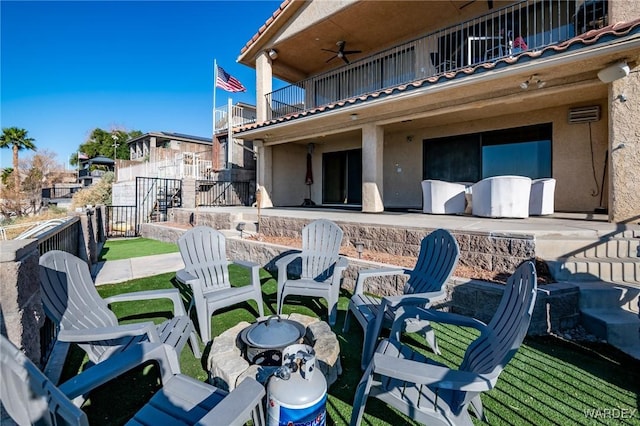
(548,382)
(135,247)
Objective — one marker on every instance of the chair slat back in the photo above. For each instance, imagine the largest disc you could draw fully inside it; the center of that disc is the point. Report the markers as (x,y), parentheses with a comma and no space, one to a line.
(438,257)
(490,352)
(203,251)
(70,297)
(321,240)
(29,396)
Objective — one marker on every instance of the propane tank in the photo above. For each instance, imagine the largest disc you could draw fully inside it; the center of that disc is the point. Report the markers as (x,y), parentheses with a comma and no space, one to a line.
(296,393)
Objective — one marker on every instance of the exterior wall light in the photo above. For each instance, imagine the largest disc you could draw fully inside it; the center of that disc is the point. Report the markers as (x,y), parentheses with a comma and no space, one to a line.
(273,54)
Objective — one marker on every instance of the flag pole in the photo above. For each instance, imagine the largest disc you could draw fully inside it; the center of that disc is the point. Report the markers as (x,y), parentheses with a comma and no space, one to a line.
(215,83)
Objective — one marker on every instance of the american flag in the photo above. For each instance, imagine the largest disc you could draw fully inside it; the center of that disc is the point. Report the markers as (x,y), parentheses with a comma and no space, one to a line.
(227,82)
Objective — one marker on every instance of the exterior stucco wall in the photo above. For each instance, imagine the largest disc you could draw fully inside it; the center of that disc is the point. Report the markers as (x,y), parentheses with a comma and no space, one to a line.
(289,168)
(572,165)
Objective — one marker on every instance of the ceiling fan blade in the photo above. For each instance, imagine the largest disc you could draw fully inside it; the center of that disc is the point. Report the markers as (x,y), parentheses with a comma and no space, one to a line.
(349,52)
(344,58)
(331,59)
(329,50)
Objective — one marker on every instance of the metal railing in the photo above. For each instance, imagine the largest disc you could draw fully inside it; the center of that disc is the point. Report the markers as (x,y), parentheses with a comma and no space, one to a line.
(170,169)
(527,25)
(121,221)
(239,117)
(65,237)
(222,193)
(56,192)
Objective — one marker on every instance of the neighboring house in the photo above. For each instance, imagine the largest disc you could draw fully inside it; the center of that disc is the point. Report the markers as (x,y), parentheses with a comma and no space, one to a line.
(386,94)
(167,155)
(237,163)
(92,169)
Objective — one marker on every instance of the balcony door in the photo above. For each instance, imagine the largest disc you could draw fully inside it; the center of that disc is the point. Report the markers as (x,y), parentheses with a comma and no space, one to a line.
(342,177)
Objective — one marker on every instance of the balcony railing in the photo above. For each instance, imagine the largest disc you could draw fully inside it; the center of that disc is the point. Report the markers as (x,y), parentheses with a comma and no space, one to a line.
(239,117)
(527,25)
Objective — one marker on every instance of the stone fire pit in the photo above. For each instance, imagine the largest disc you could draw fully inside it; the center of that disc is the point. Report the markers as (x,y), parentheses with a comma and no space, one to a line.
(228,367)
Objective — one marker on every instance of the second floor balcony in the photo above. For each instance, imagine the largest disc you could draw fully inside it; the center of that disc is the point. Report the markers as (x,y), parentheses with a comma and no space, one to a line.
(529,25)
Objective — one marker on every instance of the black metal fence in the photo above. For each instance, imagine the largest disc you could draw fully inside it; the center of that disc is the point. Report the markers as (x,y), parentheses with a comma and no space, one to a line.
(59,192)
(65,237)
(223,193)
(154,196)
(121,221)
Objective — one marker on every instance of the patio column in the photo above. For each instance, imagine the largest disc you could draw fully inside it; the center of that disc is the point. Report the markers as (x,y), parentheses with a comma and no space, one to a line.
(264,77)
(624,147)
(264,179)
(372,178)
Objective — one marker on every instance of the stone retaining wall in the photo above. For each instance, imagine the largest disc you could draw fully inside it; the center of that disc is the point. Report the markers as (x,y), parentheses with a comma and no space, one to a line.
(556,306)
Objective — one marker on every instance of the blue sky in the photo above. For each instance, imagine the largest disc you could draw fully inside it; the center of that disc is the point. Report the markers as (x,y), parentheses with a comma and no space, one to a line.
(70,67)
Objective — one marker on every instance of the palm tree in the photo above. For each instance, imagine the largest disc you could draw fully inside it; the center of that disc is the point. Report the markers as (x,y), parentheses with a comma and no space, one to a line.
(16,139)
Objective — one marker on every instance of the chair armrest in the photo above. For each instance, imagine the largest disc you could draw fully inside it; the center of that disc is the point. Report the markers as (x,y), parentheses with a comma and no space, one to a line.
(429,374)
(418,299)
(377,272)
(236,408)
(246,264)
(411,311)
(119,364)
(170,293)
(185,277)
(108,333)
(284,261)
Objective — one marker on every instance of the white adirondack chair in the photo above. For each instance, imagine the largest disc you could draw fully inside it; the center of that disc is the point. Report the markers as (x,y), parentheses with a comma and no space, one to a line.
(432,393)
(321,266)
(29,397)
(203,251)
(71,300)
(438,257)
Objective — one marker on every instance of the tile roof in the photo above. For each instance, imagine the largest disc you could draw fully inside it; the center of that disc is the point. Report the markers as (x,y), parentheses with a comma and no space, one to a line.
(592,37)
(266,25)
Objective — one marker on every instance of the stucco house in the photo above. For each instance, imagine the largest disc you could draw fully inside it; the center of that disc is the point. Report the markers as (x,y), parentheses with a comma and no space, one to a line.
(382,95)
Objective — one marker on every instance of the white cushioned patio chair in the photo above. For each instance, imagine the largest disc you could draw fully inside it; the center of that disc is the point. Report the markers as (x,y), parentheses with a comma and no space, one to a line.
(438,257)
(541,198)
(71,301)
(206,271)
(29,397)
(440,197)
(501,196)
(321,266)
(433,393)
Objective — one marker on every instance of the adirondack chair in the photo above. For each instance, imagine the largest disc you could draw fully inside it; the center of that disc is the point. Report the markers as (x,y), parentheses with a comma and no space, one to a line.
(71,300)
(206,271)
(29,397)
(438,257)
(321,266)
(432,393)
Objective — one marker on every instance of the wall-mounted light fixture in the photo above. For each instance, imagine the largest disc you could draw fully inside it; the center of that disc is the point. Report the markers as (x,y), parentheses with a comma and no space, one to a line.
(273,54)
(534,79)
(614,72)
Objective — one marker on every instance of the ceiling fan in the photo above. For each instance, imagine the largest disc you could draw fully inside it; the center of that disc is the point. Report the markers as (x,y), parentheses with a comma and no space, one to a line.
(341,53)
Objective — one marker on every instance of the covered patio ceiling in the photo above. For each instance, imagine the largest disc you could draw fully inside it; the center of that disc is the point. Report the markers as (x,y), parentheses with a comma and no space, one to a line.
(358,24)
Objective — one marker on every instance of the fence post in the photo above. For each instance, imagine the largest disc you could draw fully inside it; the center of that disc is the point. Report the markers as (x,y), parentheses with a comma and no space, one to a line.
(21,312)
(188,193)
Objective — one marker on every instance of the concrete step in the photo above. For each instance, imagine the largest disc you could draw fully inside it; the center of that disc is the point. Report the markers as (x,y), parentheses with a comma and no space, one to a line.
(605,295)
(618,327)
(617,270)
(580,247)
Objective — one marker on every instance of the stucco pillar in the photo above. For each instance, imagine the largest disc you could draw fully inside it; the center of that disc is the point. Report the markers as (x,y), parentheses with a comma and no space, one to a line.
(264,178)
(264,77)
(624,149)
(372,175)
(21,309)
(624,128)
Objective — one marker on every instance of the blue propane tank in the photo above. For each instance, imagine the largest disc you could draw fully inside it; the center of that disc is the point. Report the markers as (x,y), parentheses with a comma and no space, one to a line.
(297,393)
